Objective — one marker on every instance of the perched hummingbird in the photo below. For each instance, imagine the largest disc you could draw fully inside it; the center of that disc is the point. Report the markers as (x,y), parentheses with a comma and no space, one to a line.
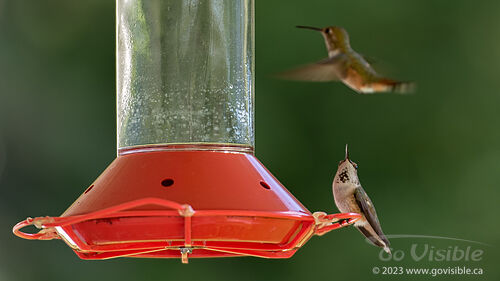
(344,64)
(351,197)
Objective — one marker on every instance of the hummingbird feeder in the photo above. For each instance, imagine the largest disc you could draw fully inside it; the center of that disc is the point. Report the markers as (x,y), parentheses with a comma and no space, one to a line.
(185,182)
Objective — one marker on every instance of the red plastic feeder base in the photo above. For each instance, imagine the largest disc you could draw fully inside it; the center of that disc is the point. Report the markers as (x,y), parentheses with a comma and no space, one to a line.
(166,202)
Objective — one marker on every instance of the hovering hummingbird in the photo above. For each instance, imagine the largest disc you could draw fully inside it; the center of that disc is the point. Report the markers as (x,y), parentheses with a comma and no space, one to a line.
(344,64)
(351,197)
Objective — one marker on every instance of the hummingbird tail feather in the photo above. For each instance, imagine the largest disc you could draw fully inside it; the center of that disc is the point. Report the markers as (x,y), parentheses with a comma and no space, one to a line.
(387,250)
(399,87)
(404,87)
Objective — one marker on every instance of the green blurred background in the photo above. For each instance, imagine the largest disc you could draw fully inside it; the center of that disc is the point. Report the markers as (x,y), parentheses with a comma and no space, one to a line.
(429,161)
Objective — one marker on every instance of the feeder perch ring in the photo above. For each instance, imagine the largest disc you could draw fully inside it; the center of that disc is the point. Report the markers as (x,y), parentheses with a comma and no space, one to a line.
(60,227)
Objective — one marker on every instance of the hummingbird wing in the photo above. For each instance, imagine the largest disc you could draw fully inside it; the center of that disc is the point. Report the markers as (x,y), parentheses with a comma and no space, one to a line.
(329,69)
(366,206)
(369,60)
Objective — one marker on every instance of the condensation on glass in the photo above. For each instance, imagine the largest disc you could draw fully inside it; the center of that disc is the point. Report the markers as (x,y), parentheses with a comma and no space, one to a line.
(185,72)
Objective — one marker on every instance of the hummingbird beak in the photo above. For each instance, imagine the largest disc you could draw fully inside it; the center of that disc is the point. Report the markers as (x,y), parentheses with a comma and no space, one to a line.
(309,27)
(346,152)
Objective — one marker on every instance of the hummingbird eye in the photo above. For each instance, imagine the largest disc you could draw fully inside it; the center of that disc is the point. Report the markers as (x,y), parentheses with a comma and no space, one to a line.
(327,30)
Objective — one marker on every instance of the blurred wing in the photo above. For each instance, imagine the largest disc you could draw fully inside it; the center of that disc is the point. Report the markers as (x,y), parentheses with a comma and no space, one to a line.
(370,60)
(330,69)
(366,206)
